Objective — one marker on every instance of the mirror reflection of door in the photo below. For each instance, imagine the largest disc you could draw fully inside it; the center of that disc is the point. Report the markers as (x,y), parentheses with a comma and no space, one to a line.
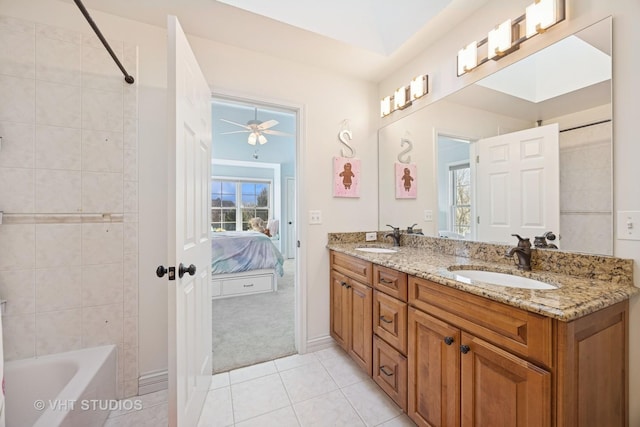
(517,184)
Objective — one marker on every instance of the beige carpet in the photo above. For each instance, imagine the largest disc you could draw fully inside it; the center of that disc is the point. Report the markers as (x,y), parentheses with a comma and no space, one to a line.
(255,328)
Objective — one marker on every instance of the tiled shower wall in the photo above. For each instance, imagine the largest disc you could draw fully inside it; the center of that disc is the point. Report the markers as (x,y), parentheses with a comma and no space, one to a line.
(68,190)
(586,211)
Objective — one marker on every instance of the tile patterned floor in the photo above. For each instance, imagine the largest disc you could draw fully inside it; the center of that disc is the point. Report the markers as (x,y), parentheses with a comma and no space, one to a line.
(324,388)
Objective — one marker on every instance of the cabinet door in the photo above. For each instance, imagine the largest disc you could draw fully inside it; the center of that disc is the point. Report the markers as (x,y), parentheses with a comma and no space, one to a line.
(340,309)
(500,389)
(360,325)
(434,371)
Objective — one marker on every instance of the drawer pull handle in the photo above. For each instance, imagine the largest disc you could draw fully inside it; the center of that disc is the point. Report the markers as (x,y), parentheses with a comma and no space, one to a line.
(248,286)
(464,349)
(384,371)
(385,281)
(385,320)
(343,283)
(448,340)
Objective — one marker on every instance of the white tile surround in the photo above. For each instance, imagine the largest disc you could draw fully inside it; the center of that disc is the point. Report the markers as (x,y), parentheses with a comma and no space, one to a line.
(324,388)
(68,123)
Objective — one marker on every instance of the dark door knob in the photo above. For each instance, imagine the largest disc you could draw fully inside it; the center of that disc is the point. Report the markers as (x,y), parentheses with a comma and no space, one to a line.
(448,340)
(161,271)
(464,349)
(290,223)
(182,269)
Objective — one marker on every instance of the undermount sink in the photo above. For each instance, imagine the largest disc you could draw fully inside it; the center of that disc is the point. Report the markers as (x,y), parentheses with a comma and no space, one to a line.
(377,250)
(500,279)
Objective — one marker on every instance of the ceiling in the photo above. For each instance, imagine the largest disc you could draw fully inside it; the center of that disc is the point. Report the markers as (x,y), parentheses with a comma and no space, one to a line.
(367,39)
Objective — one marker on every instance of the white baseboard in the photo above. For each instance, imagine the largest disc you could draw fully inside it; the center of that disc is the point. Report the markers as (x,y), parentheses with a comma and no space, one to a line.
(153,381)
(319,344)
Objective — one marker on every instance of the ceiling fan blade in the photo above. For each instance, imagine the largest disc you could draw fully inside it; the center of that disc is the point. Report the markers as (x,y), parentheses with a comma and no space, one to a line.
(237,124)
(235,131)
(276,132)
(268,124)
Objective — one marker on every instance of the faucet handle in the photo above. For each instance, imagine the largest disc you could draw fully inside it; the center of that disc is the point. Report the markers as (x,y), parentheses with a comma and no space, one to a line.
(549,235)
(394,228)
(410,228)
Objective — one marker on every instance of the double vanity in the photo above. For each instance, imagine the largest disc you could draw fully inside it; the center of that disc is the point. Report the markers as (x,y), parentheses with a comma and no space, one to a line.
(456,335)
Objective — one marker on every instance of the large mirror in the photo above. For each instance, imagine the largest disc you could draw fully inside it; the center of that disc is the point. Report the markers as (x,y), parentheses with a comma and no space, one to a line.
(525,150)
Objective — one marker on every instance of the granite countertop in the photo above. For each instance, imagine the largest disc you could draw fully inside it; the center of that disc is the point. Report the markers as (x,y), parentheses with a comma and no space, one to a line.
(575,296)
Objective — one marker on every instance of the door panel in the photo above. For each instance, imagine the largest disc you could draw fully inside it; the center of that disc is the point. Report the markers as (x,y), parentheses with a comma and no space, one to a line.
(189,296)
(517,184)
(360,327)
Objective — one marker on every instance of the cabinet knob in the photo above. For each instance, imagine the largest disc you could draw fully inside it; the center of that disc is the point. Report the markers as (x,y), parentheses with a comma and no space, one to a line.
(464,349)
(343,283)
(448,340)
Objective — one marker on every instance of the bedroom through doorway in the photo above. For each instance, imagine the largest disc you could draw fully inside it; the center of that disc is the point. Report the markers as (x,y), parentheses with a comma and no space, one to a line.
(253,228)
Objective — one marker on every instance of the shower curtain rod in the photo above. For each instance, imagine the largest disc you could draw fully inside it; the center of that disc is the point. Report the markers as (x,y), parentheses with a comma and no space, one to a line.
(587,125)
(127,77)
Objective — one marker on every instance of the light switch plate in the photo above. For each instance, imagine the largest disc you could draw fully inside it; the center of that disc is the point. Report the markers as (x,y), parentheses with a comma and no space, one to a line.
(371,237)
(628,225)
(428,215)
(315,217)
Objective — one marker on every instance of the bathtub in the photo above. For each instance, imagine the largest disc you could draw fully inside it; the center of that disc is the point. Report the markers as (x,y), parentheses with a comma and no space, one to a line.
(64,389)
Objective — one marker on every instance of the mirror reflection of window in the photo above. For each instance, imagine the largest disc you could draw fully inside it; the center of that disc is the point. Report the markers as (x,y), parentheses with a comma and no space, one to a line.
(460,191)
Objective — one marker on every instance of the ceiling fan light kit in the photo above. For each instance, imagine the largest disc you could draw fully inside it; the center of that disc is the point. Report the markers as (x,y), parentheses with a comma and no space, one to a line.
(256,129)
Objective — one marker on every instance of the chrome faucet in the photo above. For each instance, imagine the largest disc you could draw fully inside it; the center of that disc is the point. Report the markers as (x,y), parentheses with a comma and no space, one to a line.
(523,251)
(395,235)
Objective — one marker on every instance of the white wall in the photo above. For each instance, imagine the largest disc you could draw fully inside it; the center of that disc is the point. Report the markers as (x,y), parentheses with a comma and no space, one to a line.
(326,99)
(439,62)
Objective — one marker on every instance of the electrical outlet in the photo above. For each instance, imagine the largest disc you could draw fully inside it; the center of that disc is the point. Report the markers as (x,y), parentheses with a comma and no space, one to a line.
(428,215)
(315,217)
(371,237)
(628,225)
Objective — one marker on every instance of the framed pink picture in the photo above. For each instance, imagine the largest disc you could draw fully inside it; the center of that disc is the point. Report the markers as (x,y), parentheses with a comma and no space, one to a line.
(406,177)
(346,177)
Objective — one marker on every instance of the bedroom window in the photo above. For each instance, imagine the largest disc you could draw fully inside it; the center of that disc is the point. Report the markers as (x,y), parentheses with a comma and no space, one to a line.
(234,203)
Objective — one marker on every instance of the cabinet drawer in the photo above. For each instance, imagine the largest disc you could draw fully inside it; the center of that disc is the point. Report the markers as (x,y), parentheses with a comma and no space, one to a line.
(390,320)
(391,282)
(526,334)
(390,371)
(249,284)
(351,266)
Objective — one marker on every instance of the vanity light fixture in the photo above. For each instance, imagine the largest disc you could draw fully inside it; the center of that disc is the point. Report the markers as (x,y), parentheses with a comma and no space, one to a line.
(499,40)
(468,58)
(404,96)
(507,37)
(418,87)
(539,16)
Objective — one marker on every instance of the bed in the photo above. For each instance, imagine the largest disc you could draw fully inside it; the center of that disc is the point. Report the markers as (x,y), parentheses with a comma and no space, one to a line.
(243,263)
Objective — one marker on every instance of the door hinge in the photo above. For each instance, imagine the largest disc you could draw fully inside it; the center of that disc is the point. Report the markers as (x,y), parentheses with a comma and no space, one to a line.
(478,220)
(298,244)
(478,159)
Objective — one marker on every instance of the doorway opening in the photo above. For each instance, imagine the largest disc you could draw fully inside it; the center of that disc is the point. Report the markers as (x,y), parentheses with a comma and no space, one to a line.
(254,152)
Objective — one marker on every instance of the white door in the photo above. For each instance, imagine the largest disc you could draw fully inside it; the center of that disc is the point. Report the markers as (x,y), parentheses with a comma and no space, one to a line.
(189,321)
(291,216)
(517,184)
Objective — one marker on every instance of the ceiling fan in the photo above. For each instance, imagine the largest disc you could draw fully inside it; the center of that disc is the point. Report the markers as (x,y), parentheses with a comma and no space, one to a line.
(256,129)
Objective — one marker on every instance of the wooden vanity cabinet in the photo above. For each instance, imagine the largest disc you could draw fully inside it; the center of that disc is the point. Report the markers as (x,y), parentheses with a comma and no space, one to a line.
(477,362)
(351,308)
